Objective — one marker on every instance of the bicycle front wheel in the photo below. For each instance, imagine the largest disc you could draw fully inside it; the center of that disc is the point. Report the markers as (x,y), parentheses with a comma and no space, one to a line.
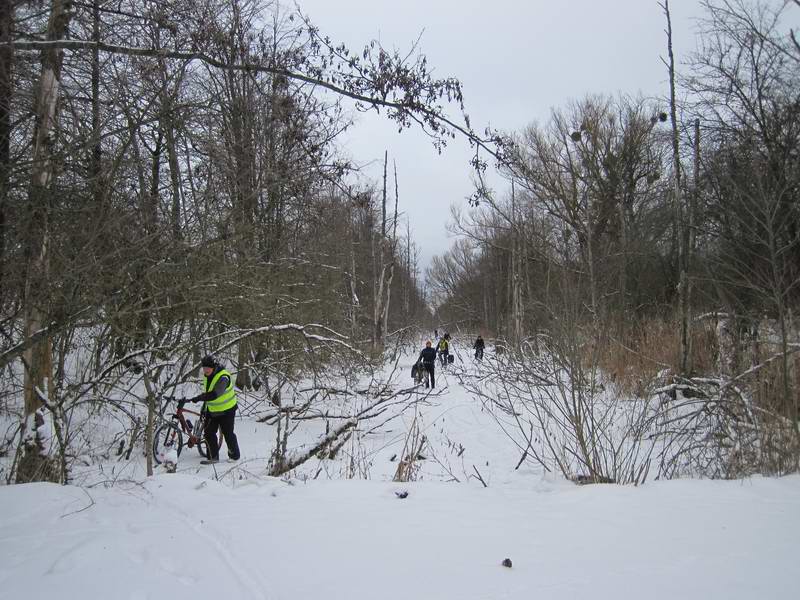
(167,436)
(202,446)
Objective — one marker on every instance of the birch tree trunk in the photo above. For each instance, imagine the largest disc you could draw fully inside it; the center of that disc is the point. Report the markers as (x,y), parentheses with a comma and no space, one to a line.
(37,357)
(35,465)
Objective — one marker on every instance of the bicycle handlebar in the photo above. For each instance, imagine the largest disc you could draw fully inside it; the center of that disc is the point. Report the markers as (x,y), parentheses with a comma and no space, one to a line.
(181,401)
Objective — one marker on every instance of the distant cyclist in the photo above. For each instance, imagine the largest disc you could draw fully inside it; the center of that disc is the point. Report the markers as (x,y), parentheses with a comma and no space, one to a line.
(479,345)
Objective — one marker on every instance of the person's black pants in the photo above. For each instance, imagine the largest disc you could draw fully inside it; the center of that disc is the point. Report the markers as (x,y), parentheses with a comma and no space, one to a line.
(430,368)
(222,420)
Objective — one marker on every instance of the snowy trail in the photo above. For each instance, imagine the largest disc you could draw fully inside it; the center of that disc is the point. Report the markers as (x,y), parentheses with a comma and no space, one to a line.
(188,535)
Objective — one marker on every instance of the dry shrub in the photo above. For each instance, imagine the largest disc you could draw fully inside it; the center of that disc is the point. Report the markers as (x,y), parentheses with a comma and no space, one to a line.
(767,386)
(634,359)
(408,468)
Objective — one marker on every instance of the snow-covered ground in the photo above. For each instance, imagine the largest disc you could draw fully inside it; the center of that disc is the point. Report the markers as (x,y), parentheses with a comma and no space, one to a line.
(234,532)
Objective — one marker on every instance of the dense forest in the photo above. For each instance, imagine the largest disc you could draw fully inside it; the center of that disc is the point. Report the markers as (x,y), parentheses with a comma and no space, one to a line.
(170,187)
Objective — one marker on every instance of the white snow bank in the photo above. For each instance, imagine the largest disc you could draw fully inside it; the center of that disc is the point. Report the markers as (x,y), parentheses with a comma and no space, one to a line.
(182,536)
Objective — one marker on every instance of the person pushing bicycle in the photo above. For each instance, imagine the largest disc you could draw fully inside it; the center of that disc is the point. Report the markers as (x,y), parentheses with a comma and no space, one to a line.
(219,402)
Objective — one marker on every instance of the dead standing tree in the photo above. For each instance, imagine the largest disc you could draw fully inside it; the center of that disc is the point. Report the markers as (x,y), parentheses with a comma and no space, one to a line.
(384,257)
(681,213)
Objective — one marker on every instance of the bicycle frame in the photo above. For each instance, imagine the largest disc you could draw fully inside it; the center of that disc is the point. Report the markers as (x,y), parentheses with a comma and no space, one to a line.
(194,432)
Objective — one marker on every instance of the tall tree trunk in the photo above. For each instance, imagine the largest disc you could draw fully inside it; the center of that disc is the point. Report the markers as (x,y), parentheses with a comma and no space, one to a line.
(515,275)
(379,270)
(152,199)
(243,153)
(35,465)
(167,125)
(174,173)
(96,150)
(6,90)
(37,358)
(392,257)
(681,236)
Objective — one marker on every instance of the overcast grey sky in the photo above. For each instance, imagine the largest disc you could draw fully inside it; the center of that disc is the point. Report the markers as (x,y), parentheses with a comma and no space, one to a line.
(516,60)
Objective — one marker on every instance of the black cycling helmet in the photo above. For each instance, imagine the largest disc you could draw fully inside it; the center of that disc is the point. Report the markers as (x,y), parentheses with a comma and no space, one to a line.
(208,361)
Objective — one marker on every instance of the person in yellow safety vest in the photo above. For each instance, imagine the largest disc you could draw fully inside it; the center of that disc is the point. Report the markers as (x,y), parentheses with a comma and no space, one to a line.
(219,401)
(444,350)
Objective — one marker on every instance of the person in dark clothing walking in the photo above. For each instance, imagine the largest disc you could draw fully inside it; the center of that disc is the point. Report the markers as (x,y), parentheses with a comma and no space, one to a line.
(428,358)
(219,401)
(479,345)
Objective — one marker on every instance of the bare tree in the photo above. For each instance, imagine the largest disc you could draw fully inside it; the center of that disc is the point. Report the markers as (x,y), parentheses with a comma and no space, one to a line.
(747,102)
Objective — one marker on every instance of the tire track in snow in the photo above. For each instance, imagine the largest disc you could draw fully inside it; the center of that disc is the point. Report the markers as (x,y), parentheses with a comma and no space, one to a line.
(250,586)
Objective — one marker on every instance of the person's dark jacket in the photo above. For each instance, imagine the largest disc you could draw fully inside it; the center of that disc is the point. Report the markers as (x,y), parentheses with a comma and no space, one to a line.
(479,344)
(428,356)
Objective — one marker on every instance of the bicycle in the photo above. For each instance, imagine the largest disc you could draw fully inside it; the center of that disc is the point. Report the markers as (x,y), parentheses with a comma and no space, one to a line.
(170,433)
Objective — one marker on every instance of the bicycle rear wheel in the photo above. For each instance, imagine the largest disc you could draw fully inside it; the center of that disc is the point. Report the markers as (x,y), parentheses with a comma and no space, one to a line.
(167,436)
(202,446)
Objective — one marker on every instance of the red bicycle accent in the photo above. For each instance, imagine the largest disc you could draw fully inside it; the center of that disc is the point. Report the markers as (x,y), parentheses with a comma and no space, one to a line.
(170,434)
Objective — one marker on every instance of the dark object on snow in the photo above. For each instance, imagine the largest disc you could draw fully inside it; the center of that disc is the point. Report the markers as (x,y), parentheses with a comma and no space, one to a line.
(393,458)
(401,495)
(589,479)
(450,358)
(276,398)
(506,562)
(417,372)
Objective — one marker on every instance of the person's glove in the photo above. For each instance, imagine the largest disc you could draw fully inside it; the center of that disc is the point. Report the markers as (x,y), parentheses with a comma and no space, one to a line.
(181,403)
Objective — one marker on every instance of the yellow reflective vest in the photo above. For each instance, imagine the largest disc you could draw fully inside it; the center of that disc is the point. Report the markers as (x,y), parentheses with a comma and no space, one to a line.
(226,400)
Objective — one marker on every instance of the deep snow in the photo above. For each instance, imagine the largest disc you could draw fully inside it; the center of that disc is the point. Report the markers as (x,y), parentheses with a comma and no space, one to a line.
(245,535)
